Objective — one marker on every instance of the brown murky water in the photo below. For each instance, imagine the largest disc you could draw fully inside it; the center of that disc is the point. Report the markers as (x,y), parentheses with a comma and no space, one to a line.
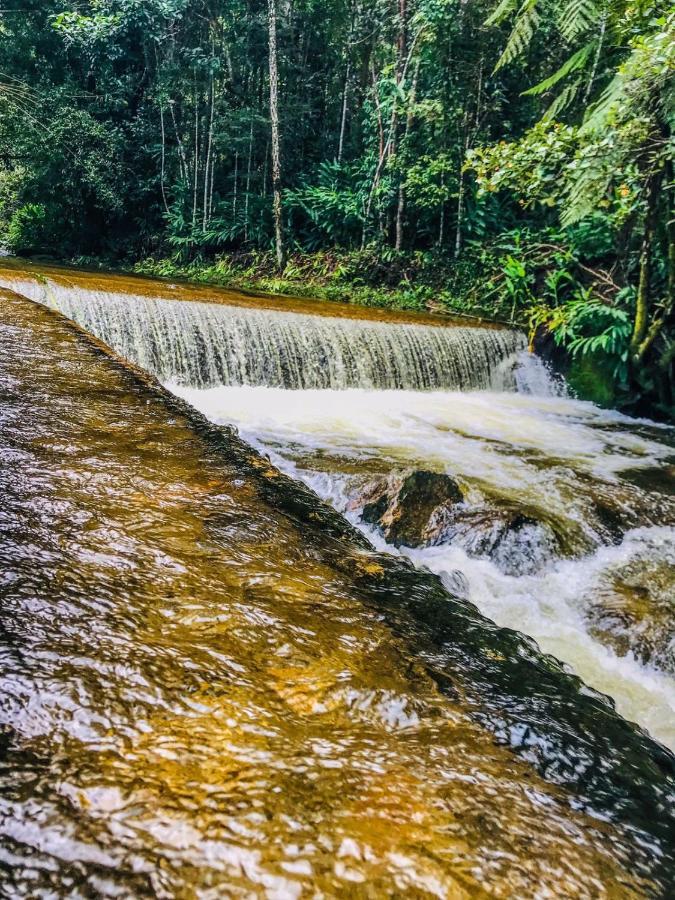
(210,686)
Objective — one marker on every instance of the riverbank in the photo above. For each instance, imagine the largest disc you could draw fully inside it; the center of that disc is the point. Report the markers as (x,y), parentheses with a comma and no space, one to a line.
(422,282)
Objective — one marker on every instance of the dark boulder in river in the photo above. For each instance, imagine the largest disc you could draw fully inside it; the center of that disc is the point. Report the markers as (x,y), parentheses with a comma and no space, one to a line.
(402,506)
(422,509)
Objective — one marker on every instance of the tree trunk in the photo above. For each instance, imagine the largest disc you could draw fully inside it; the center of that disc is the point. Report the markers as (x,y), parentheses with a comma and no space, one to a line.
(641,323)
(460,192)
(163,163)
(644,334)
(276,143)
(195,183)
(345,109)
(235,195)
(182,156)
(249,169)
(209,150)
(400,212)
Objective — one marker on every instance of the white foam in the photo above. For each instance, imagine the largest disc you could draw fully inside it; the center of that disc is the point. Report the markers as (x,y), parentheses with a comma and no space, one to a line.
(538,451)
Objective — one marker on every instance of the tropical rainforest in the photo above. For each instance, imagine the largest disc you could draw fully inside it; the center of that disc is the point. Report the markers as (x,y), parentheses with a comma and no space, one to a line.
(503,158)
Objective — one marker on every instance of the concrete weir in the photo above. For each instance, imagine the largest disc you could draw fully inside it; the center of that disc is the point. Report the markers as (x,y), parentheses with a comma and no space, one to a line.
(210,685)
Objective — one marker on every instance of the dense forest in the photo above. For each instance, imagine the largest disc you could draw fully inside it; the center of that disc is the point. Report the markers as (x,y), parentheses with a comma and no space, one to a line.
(512,159)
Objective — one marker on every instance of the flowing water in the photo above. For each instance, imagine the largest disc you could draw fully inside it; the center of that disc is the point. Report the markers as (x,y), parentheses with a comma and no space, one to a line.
(211,687)
(562,461)
(206,344)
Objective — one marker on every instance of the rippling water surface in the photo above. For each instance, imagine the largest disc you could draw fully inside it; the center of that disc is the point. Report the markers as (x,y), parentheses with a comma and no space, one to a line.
(211,686)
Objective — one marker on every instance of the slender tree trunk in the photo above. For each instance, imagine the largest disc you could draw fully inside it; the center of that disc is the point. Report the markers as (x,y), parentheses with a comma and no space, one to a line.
(209,150)
(441,225)
(236,184)
(212,179)
(195,183)
(460,193)
(378,108)
(641,323)
(264,184)
(163,163)
(248,183)
(276,142)
(345,109)
(400,212)
(460,215)
(182,156)
(644,332)
(402,44)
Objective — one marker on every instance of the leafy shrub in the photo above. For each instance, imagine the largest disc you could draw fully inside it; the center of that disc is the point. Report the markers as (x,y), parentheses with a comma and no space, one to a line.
(26,230)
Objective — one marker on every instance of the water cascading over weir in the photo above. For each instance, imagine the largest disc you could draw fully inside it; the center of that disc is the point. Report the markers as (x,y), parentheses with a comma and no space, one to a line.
(204,344)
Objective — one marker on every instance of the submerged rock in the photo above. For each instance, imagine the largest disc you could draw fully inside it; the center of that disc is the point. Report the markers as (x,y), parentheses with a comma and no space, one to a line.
(632,610)
(515,542)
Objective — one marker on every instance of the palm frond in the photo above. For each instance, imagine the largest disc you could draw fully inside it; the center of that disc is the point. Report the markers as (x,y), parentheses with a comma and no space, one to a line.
(577,61)
(578,16)
(502,11)
(614,96)
(524,27)
(563,100)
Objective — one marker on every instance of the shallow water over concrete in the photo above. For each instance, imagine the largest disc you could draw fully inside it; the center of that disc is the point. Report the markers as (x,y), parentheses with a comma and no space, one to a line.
(210,685)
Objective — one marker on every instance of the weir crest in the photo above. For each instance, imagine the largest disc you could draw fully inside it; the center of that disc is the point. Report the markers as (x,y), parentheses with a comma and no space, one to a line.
(203,344)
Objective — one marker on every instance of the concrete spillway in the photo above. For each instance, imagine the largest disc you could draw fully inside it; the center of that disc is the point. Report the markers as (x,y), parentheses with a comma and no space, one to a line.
(204,344)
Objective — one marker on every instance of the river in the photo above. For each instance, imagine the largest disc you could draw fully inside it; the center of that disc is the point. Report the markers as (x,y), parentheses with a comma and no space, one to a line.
(294,676)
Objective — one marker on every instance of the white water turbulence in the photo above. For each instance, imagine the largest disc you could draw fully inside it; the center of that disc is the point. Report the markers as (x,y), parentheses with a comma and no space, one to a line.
(209,344)
(594,585)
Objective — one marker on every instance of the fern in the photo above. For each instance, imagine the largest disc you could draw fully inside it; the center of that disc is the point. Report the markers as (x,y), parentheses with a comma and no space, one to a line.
(614,95)
(589,186)
(502,12)
(577,61)
(524,27)
(562,101)
(578,17)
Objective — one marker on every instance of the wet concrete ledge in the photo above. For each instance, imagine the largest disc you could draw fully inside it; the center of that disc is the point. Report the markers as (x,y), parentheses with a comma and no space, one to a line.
(110,482)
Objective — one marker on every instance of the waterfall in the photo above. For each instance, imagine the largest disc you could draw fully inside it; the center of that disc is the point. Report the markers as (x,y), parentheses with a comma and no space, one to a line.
(201,344)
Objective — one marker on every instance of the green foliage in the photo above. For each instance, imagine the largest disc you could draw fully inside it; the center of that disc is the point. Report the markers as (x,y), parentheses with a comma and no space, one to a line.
(331,206)
(87,30)
(578,16)
(576,61)
(26,232)
(496,158)
(524,28)
(587,326)
(606,166)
